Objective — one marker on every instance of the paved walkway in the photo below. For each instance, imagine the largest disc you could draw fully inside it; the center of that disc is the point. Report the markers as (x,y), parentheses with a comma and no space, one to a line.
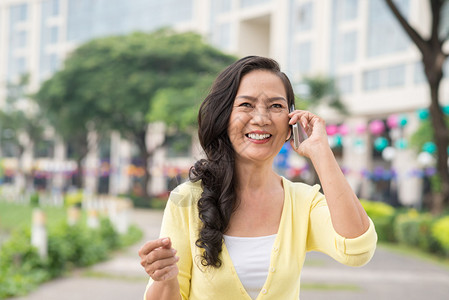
(387,276)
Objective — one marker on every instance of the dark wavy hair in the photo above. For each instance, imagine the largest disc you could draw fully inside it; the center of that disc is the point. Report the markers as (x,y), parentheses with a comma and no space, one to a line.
(216,171)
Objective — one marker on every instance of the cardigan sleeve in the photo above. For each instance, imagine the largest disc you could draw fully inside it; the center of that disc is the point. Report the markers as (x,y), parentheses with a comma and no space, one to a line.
(175,225)
(323,238)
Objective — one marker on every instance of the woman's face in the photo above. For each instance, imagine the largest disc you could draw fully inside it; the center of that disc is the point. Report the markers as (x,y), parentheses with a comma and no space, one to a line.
(258,125)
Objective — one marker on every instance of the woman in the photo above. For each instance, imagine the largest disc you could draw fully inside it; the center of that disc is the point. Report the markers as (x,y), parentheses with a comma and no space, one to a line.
(238,230)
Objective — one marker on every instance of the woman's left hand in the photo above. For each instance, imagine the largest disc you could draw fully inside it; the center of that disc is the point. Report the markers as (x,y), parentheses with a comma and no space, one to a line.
(315,127)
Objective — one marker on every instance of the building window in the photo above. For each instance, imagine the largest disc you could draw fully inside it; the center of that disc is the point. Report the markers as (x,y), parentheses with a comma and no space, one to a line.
(385,35)
(248,3)
(18,13)
(17,67)
(305,17)
(371,80)
(346,10)
(303,57)
(21,41)
(54,34)
(345,84)
(348,47)
(221,6)
(54,8)
(418,74)
(222,36)
(393,76)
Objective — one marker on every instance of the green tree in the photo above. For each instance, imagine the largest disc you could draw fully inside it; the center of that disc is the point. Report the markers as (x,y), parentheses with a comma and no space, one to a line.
(323,90)
(433,57)
(69,118)
(111,83)
(21,124)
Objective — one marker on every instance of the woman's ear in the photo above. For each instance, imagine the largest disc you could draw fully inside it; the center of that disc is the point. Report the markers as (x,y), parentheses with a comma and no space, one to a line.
(289,133)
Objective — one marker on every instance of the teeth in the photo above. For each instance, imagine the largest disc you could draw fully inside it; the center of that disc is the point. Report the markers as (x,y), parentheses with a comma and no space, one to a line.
(258,136)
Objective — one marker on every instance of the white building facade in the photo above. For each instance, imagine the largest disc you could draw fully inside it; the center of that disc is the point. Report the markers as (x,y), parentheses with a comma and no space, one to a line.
(357,42)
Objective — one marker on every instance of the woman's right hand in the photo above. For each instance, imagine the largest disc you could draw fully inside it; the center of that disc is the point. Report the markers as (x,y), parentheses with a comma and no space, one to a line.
(159,260)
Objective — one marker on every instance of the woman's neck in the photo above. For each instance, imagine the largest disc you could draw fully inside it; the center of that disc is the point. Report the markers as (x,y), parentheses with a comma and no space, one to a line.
(255,177)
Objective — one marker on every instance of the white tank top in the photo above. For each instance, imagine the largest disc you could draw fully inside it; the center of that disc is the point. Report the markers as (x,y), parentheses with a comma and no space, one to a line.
(251,259)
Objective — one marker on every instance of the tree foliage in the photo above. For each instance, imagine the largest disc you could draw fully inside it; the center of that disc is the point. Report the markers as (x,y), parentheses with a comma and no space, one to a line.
(323,90)
(115,83)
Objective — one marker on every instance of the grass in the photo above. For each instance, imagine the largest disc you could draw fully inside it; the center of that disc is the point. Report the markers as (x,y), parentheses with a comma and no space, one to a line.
(13,216)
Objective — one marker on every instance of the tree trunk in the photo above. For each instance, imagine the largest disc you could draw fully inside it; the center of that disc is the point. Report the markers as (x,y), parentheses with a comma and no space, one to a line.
(81,150)
(140,139)
(441,132)
(433,58)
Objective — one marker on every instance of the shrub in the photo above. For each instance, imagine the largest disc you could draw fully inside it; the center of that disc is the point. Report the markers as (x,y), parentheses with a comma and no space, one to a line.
(74,198)
(21,268)
(414,229)
(382,215)
(440,231)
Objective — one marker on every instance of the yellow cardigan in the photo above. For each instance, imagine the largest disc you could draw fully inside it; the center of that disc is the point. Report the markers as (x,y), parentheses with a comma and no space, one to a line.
(305,226)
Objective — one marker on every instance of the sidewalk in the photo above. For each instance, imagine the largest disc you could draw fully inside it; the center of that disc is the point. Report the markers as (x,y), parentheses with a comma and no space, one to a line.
(387,276)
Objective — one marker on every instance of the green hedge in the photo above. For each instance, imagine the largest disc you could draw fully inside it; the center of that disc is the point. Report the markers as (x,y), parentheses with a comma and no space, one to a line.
(414,229)
(440,232)
(383,217)
(409,227)
(21,268)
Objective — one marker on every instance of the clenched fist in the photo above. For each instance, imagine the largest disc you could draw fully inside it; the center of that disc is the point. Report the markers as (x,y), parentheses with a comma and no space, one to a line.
(159,260)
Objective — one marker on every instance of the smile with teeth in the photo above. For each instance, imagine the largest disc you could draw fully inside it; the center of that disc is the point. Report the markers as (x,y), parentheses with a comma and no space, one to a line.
(256,136)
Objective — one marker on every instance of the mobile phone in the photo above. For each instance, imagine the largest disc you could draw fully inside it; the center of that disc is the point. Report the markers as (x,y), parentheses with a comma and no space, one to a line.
(298,132)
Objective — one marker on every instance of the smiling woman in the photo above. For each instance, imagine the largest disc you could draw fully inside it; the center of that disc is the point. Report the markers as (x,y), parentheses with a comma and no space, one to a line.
(238,230)
(259,117)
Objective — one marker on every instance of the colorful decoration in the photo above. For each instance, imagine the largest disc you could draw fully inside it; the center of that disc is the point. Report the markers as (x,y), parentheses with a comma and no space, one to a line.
(380,143)
(338,140)
(395,134)
(393,121)
(425,159)
(377,127)
(403,120)
(429,147)
(331,130)
(445,109)
(401,143)
(360,128)
(344,129)
(423,114)
(335,141)
(389,153)
(359,146)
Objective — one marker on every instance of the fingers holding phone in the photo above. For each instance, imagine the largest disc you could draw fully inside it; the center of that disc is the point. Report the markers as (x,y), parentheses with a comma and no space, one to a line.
(311,131)
(298,133)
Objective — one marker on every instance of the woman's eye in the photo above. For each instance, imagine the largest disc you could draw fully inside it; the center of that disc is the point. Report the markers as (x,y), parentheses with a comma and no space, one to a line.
(276,105)
(246,104)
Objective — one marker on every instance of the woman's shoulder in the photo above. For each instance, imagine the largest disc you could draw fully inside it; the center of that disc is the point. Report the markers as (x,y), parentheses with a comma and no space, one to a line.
(186,193)
(301,188)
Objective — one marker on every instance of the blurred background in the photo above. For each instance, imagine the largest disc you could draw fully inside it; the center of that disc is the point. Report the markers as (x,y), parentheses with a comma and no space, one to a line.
(98,103)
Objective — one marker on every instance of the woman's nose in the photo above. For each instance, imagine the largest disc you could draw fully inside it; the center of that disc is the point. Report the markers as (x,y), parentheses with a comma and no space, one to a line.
(261,116)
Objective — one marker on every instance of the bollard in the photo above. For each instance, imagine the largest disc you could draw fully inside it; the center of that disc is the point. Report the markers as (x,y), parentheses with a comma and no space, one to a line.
(73,215)
(123,215)
(92,219)
(39,233)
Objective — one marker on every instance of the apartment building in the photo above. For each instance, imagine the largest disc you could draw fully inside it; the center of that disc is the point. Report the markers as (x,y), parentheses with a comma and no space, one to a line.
(357,42)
